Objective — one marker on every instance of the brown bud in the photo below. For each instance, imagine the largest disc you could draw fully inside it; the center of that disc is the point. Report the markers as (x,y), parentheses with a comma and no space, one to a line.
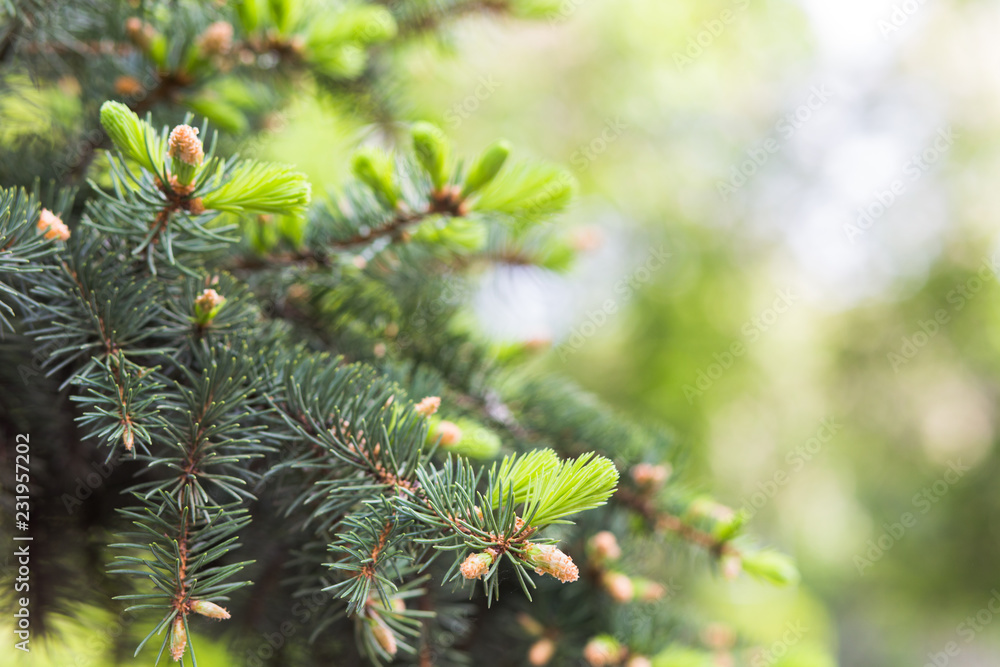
(208,300)
(128,86)
(180,188)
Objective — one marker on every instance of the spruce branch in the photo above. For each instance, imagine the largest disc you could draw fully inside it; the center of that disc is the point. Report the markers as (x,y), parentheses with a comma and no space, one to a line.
(229,389)
(409,198)
(182,561)
(92,307)
(25,241)
(168,210)
(120,404)
(206,425)
(195,512)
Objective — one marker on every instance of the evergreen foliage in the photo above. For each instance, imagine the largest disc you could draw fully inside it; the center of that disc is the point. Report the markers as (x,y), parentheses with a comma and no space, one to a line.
(258,370)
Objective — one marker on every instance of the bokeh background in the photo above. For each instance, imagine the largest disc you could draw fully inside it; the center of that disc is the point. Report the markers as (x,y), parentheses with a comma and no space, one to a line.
(786,212)
(823,331)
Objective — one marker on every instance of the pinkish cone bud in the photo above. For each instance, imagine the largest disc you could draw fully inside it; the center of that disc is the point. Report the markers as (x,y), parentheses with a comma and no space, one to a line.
(140,32)
(384,636)
(428,406)
(604,547)
(648,590)
(208,300)
(603,651)
(449,432)
(178,639)
(216,39)
(541,652)
(210,609)
(639,661)
(476,565)
(708,508)
(731,566)
(649,476)
(618,586)
(547,559)
(52,226)
(718,636)
(587,239)
(207,306)
(186,146)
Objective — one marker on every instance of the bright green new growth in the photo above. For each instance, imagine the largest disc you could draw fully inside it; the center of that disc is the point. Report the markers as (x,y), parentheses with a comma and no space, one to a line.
(363,24)
(373,167)
(431,147)
(263,188)
(457,234)
(135,138)
(253,186)
(486,167)
(552,489)
(528,190)
(771,566)
(335,43)
(517,472)
(538,9)
(475,441)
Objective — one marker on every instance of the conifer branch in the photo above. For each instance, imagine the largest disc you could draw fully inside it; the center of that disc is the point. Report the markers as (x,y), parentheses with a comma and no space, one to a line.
(232,392)
(663,520)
